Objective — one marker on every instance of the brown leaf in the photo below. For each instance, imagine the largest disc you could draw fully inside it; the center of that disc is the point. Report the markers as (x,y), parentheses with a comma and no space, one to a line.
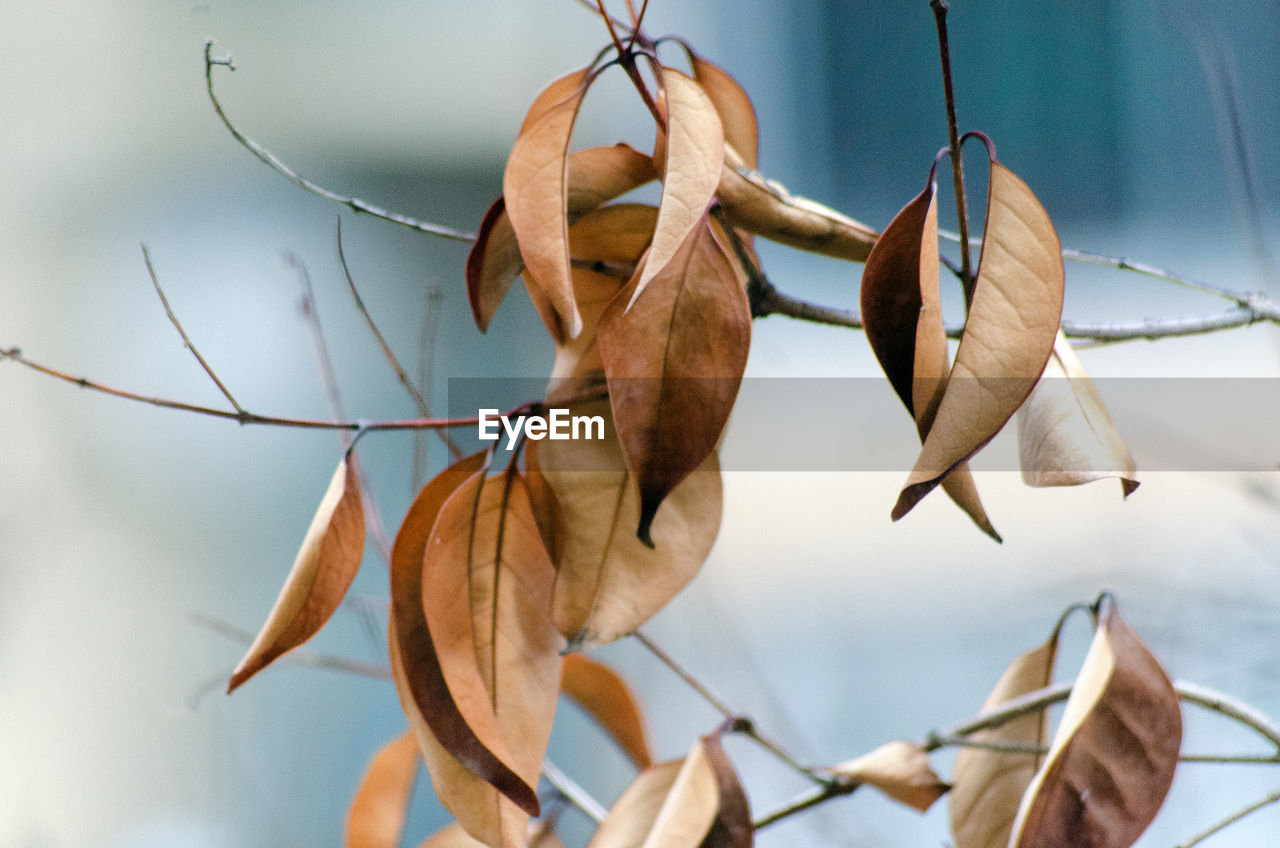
(901,770)
(732,827)
(674,363)
(454,836)
(767,209)
(460,763)
(670,805)
(486,593)
(607,698)
(1008,335)
(987,786)
(326,564)
(691,170)
(381,803)
(608,582)
(902,318)
(733,105)
(534,186)
(1065,434)
(1113,757)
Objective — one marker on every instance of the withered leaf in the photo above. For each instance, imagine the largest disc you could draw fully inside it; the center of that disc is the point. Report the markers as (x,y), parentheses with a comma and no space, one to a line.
(534,188)
(381,804)
(1065,434)
(1115,751)
(607,698)
(902,318)
(987,786)
(733,105)
(732,827)
(899,769)
(326,564)
(1009,333)
(691,170)
(454,836)
(674,363)
(670,805)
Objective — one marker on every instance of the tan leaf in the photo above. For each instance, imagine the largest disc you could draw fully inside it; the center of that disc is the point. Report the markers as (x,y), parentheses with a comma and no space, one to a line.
(733,105)
(1113,757)
(461,764)
(486,594)
(674,363)
(1008,335)
(766,208)
(534,187)
(608,582)
(732,827)
(670,805)
(1065,434)
(607,698)
(381,803)
(987,786)
(902,318)
(693,162)
(326,564)
(454,836)
(901,770)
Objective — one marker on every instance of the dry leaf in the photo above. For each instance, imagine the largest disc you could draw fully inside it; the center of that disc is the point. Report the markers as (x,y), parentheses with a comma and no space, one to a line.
(733,105)
(326,564)
(674,363)
(1065,434)
(901,770)
(670,805)
(987,786)
(1008,335)
(607,698)
(691,170)
(454,836)
(381,803)
(732,827)
(1113,757)
(902,318)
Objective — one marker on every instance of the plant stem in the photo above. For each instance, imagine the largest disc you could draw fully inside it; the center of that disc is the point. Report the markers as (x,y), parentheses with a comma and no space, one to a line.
(1232,819)
(940,8)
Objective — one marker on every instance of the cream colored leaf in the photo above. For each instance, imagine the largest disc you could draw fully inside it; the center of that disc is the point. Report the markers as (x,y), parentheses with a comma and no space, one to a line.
(671,805)
(607,698)
(381,804)
(326,564)
(1065,434)
(899,769)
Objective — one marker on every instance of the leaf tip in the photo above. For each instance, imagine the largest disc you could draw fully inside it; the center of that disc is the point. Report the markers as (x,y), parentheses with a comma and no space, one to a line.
(1129,486)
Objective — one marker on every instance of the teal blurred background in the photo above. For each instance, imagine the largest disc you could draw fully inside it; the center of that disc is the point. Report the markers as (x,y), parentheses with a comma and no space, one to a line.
(1147,129)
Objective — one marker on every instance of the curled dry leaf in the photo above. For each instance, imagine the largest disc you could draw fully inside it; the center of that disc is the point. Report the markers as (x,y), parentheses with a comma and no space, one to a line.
(674,363)
(607,698)
(1065,434)
(732,827)
(326,564)
(902,318)
(691,170)
(1113,757)
(670,805)
(899,769)
(381,804)
(1009,333)
(987,786)
(732,104)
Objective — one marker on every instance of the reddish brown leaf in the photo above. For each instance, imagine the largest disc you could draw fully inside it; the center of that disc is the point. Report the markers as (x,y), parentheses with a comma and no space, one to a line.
(1008,335)
(733,105)
(326,564)
(901,770)
(732,827)
(381,803)
(674,363)
(607,698)
(670,805)
(902,318)
(1115,752)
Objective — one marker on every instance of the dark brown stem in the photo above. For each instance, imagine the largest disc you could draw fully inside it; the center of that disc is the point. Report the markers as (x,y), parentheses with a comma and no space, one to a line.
(940,8)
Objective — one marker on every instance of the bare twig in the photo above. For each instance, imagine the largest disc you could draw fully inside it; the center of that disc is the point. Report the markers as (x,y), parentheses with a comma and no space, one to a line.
(573,793)
(1223,824)
(940,8)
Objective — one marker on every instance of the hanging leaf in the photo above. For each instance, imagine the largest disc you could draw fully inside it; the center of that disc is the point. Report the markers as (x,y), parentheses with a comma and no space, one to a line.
(1009,333)
(902,318)
(693,160)
(322,572)
(670,805)
(607,698)
(732,827)
(608,582)
(901,770)
(381,803)
(987,786)
(1113,757)
(674,364)
(733,105)
(534,187)
(1065,434)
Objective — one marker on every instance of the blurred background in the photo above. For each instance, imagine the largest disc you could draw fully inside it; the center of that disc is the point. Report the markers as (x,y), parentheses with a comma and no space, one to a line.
(1147,129)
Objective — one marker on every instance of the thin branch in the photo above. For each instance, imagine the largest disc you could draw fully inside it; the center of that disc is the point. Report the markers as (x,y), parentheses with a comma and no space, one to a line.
(1231,819)
(573,793)
(940,8)
(805,800)
(271,160)
(298,656)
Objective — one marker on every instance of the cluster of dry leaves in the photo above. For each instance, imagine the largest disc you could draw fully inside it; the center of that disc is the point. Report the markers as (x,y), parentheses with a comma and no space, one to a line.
(497,573)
